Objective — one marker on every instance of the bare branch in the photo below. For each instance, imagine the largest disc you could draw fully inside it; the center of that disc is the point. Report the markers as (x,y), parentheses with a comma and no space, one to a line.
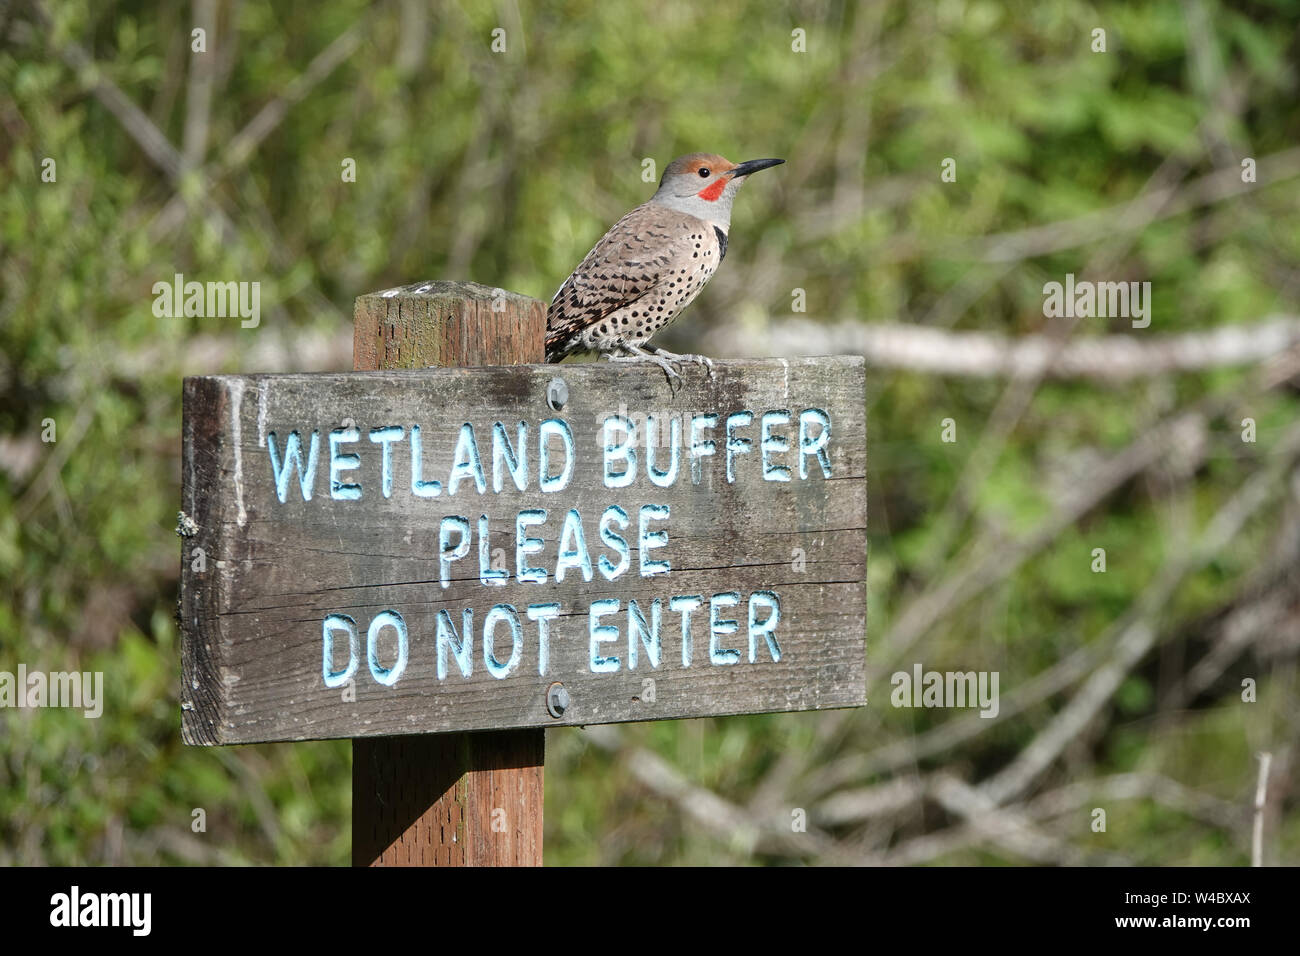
(1261,804)
(198,95)
(1109,358)
(705,807)
(986,825)
(1139,635)
(1009,828)
(246,141)
(995,560)
(140,128)
(1154,206)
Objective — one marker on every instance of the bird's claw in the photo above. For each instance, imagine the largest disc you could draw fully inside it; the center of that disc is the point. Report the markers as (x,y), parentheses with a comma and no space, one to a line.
(669,372)
(703,360)
(668,361)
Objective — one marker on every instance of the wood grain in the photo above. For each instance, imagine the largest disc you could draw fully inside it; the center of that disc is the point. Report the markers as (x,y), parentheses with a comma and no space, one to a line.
(446,324)
(466,799)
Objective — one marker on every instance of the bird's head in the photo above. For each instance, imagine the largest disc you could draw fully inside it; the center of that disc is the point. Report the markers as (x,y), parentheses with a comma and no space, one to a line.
(704,185)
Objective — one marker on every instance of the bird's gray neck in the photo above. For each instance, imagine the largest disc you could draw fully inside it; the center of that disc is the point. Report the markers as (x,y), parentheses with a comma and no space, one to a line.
(716,213)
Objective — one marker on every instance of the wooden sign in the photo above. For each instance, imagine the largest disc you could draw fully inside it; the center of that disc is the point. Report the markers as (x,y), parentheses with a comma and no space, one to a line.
(376,553)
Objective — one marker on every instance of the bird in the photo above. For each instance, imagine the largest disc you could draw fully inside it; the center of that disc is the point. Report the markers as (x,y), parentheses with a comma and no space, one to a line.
(650,266)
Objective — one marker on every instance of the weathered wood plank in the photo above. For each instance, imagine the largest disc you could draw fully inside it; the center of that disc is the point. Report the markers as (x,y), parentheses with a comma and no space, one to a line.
(254,621)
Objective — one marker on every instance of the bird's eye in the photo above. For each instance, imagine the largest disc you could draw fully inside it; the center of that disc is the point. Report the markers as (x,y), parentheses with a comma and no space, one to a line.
(704,171)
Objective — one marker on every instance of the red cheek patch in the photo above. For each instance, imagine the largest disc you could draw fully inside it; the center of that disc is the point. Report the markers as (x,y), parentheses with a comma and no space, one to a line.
(712,191)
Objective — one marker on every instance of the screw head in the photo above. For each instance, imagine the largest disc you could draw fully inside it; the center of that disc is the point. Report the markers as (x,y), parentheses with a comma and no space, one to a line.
(557,394)
(557,699)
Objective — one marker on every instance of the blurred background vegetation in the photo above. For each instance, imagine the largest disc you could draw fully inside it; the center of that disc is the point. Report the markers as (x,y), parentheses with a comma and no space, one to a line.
(1120,690)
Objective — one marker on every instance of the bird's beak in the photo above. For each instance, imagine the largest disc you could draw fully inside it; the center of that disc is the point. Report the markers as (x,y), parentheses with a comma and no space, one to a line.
(753,166)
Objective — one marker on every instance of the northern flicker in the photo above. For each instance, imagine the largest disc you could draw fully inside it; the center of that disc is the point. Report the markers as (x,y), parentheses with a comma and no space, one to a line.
(650,265)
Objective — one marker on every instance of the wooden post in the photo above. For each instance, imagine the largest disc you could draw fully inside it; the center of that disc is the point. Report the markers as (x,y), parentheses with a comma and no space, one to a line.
(466,799)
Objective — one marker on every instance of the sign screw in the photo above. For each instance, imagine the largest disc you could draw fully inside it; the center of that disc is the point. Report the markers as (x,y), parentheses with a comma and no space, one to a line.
(557,394)
(557,698)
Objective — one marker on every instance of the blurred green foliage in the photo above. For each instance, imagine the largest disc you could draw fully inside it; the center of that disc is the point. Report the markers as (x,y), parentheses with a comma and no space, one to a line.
(504,168)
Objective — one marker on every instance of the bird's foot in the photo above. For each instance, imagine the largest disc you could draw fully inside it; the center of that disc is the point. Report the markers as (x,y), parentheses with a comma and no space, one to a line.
(635,354)
(687,357)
